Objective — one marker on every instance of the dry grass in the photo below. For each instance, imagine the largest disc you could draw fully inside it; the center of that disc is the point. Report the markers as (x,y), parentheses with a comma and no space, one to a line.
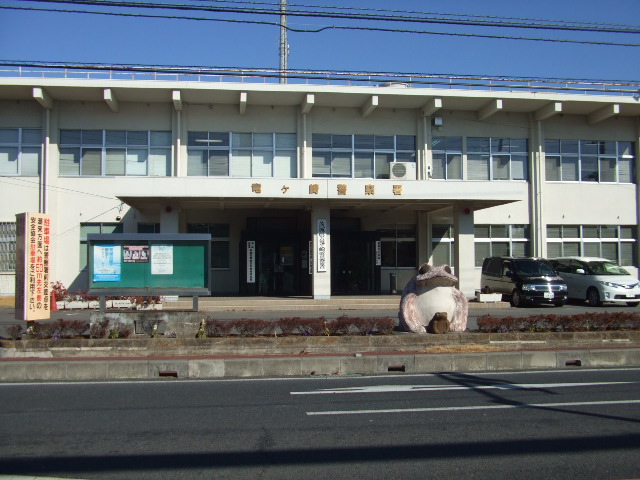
(7,301)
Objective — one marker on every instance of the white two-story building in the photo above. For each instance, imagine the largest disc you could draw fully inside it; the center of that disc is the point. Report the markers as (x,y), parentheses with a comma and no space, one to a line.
(344,188)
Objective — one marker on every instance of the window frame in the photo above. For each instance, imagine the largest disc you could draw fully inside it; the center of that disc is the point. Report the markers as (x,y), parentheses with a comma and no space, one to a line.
(21,147)
(108,145)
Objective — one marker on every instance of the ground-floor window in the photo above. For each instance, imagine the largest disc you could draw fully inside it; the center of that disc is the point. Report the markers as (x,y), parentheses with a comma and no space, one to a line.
(219,242)
(613,242)
(442,243)
(501,240)
(398,244)
(7,247)
(148,227)
(97,227)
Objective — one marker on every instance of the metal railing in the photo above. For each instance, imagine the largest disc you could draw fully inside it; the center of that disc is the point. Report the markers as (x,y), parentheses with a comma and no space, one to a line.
(317,77)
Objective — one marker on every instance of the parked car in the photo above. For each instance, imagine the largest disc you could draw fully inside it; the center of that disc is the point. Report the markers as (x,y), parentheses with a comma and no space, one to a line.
(524,280)
(597,280)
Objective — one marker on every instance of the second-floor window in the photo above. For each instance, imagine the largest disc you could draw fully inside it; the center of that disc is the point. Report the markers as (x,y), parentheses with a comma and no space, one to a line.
(360,156)
(223,154)
(497,158)
(115,152)
(20,151)
(589,161)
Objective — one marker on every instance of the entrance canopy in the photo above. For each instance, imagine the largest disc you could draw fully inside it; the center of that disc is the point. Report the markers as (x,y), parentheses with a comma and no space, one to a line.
(149,194)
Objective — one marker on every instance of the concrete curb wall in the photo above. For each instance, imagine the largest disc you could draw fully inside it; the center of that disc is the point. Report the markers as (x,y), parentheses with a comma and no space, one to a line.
(295,345)
(310,365)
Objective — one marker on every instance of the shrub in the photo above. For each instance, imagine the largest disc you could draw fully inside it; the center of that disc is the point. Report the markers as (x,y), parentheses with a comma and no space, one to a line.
(583,322)
(288,325)
(343,325)
(120,330)
(14,331)
(249,327)
(217,328)
(62,328)
(309,327)
(99,329)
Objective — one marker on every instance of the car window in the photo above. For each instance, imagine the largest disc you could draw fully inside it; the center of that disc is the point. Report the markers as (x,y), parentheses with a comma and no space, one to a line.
(561,266)
(507,267)
(529,268)
(606,268)
(493,266)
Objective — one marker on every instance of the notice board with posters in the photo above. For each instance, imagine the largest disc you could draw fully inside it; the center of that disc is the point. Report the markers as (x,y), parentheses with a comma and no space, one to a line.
(149,264)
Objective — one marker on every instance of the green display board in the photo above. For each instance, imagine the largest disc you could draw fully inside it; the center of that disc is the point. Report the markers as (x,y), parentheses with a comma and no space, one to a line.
(149,264)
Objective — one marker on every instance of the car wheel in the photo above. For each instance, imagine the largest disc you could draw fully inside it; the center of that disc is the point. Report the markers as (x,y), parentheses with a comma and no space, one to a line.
(632,304)
(516,299)
(593,297)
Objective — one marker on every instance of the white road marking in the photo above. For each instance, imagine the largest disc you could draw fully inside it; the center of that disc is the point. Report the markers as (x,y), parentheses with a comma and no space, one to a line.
(433,388)
(474,407)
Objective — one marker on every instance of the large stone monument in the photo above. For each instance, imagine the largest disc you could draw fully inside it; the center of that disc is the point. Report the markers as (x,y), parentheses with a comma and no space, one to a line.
(433,295)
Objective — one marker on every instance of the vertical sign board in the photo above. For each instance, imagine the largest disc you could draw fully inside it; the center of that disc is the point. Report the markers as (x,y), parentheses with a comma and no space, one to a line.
(33,253)
(251,262)
(378,253)
(322,245)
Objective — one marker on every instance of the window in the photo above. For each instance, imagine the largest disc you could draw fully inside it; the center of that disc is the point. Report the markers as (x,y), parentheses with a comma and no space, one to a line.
(7,246)
(20,151)
(217,154)
(360,156)
(500,241)
(497,158)
(398,244)
(115,153)
(145,227)
(447,158)
(87,228)
(219,242)
(589,161)
(613,242)
(442,242)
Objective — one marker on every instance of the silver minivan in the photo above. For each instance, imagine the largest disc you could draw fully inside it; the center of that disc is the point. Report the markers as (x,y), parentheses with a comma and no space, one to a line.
(597,280)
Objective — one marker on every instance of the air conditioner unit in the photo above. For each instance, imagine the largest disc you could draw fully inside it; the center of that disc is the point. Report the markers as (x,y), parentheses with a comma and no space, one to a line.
(402,171)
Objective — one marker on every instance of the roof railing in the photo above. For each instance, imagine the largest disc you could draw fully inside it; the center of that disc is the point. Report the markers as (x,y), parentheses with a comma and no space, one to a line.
(321,77)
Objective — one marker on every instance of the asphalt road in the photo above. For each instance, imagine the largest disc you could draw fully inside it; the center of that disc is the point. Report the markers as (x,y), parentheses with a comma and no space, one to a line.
(560,424)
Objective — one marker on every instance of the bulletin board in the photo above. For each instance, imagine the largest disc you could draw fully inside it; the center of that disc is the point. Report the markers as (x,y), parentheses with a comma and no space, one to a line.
(149,264)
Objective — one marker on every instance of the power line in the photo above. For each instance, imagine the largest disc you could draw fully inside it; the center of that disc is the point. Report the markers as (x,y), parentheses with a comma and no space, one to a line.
(391,11)
(325,28)
(359,16)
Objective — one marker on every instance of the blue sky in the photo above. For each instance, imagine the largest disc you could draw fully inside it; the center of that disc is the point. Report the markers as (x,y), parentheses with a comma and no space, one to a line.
(65,37)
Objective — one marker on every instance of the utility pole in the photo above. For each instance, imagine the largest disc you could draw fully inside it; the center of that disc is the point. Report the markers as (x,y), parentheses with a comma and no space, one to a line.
(284,46)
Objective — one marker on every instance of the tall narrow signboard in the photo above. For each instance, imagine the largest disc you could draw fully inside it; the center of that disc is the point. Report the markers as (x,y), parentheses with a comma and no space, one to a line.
(33,253)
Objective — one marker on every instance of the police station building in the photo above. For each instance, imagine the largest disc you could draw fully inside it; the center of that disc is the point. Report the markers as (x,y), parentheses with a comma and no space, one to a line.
(320,188)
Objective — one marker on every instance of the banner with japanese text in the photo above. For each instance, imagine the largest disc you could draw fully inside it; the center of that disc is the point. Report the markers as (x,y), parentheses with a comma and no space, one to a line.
(33,254)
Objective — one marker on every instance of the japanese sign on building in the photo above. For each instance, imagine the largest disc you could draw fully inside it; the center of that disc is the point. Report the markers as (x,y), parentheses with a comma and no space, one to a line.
(33,253)
(322,245)
(251,262)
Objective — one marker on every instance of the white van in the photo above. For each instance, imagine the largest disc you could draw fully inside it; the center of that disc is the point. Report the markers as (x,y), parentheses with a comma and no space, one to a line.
(597,280)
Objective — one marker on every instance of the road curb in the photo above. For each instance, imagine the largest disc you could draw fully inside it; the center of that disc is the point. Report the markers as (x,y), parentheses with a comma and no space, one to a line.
(217,367)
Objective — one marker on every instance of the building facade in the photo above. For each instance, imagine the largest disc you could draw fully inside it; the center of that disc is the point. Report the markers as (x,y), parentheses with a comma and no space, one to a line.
(317,189)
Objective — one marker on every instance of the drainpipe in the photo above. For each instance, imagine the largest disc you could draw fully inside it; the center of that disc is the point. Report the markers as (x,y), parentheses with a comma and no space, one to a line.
(44,169)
